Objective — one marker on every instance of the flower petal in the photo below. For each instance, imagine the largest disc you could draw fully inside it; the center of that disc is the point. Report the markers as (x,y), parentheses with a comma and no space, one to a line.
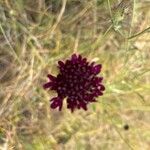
(47,85)
(71,104)
(102,87)
(74,57)
(56,102)
(51,77)
(61,64)
(79,58)
(92,64)
(96,69)
(83,105)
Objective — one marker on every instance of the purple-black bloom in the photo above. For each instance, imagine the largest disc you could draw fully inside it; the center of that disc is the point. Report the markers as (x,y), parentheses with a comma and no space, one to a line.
(77,81)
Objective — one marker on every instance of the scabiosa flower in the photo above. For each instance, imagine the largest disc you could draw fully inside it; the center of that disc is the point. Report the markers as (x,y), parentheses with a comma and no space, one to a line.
(77,81)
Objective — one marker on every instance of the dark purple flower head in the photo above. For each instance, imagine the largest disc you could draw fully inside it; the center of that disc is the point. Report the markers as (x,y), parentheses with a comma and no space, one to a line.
(77,81)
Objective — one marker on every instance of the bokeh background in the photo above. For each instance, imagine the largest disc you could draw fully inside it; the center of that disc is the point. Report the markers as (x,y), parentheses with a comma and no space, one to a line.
(35,34)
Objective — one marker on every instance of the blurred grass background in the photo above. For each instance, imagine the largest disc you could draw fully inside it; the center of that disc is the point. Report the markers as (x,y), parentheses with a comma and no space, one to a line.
(34,35)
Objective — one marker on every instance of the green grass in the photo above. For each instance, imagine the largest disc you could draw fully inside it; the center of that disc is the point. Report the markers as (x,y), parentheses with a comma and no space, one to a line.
(34,35)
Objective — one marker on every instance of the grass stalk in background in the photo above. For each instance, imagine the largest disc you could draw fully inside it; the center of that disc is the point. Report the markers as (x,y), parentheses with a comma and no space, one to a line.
(34,35)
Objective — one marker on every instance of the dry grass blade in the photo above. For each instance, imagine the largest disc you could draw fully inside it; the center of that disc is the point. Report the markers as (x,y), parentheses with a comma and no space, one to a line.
(35,35)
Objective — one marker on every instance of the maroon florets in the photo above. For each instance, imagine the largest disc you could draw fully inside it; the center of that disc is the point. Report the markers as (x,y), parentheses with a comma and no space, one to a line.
(77,81)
